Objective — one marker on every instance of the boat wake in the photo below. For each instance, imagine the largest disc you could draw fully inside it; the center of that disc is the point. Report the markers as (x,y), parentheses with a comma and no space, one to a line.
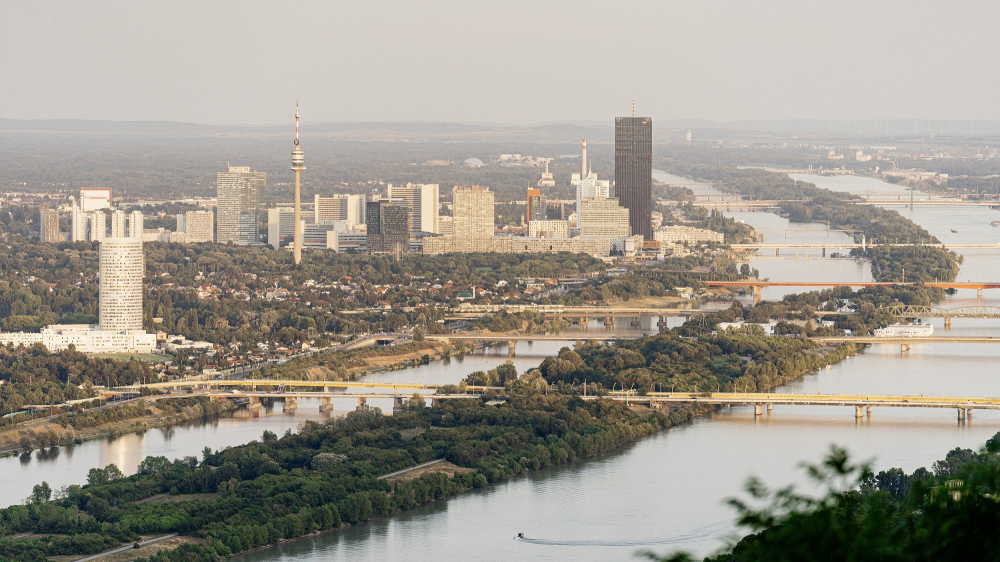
(702,533)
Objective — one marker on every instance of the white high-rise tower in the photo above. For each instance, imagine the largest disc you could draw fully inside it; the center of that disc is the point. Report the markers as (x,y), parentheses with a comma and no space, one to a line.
(122,266)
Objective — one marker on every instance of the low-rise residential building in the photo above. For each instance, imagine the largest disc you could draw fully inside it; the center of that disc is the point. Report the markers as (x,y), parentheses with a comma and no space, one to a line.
(681,234)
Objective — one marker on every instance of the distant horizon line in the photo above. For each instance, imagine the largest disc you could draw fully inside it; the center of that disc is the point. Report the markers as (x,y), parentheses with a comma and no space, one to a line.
(679,122)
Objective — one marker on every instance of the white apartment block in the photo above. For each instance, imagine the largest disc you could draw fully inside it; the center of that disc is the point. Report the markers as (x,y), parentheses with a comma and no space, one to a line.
(84,338)
(197,226)
(135,223)
(423,201)
(602,217)
(591,187)
(95,198)
(681,234)
(98,226)
(340,207)
(548,229)
(118,229)
(78,224)
(280,221)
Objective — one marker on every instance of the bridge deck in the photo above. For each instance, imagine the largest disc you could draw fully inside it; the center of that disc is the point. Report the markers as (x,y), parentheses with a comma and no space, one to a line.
(939,284)
(906,340)
(287,383)
(749,398)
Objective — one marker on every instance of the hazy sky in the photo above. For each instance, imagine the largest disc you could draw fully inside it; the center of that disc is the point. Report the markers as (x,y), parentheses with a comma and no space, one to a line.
(246,62)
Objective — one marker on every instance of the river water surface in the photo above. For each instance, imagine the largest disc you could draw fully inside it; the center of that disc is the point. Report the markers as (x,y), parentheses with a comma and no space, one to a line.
(665,492)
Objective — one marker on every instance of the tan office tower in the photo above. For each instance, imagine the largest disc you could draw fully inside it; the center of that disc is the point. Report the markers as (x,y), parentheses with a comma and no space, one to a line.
(197,226)
(122,266)
(473,219)
(48,230)
(98,226)
(238,193)
(603,217)
(423,200)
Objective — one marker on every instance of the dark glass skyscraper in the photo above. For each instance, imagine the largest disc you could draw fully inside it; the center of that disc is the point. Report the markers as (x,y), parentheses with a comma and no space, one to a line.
(634,171)
(388,228)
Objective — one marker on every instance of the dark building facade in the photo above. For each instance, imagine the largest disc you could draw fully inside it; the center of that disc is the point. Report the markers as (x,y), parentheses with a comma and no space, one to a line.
(634,171)
(388,228)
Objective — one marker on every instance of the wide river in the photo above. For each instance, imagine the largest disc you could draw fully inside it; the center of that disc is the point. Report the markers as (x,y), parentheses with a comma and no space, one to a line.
(666,492)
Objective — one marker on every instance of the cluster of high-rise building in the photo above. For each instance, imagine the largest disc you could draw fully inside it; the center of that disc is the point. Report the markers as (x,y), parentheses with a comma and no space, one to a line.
(91,219)
(119,328)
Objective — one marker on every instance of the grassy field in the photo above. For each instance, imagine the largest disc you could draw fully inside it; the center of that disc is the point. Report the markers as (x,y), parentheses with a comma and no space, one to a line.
(167,498)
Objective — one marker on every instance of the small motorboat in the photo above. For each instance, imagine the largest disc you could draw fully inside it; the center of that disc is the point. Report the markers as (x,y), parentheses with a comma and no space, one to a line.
(519,536)
(954,230)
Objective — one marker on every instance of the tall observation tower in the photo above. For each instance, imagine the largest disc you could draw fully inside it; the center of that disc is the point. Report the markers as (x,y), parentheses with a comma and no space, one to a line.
(298,164)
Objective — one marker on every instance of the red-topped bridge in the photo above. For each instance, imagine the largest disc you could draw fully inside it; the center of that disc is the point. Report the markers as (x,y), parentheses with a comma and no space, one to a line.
(757,285)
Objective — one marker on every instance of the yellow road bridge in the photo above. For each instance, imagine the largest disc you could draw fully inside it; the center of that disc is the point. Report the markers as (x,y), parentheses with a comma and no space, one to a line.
(267,383)
(860,402)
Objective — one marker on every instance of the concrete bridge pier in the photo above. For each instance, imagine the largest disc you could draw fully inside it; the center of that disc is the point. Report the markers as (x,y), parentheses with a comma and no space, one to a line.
(903,348)
(362,404)
(661,323)
(325,405)
(254,404)
(511,345)
(397,405)
(291,404)
(979,292)
(609,322)
(824,252)
(769,408)
(968,412)
(947,323)
(757,293)
(868,410)
(961,413)
(859,412)
(758,410)
(637,322)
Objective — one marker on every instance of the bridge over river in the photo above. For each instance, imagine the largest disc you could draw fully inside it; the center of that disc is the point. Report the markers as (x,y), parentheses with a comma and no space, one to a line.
(861,402)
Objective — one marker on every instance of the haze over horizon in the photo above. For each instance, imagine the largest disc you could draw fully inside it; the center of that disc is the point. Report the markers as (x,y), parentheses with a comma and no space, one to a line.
(247,62)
